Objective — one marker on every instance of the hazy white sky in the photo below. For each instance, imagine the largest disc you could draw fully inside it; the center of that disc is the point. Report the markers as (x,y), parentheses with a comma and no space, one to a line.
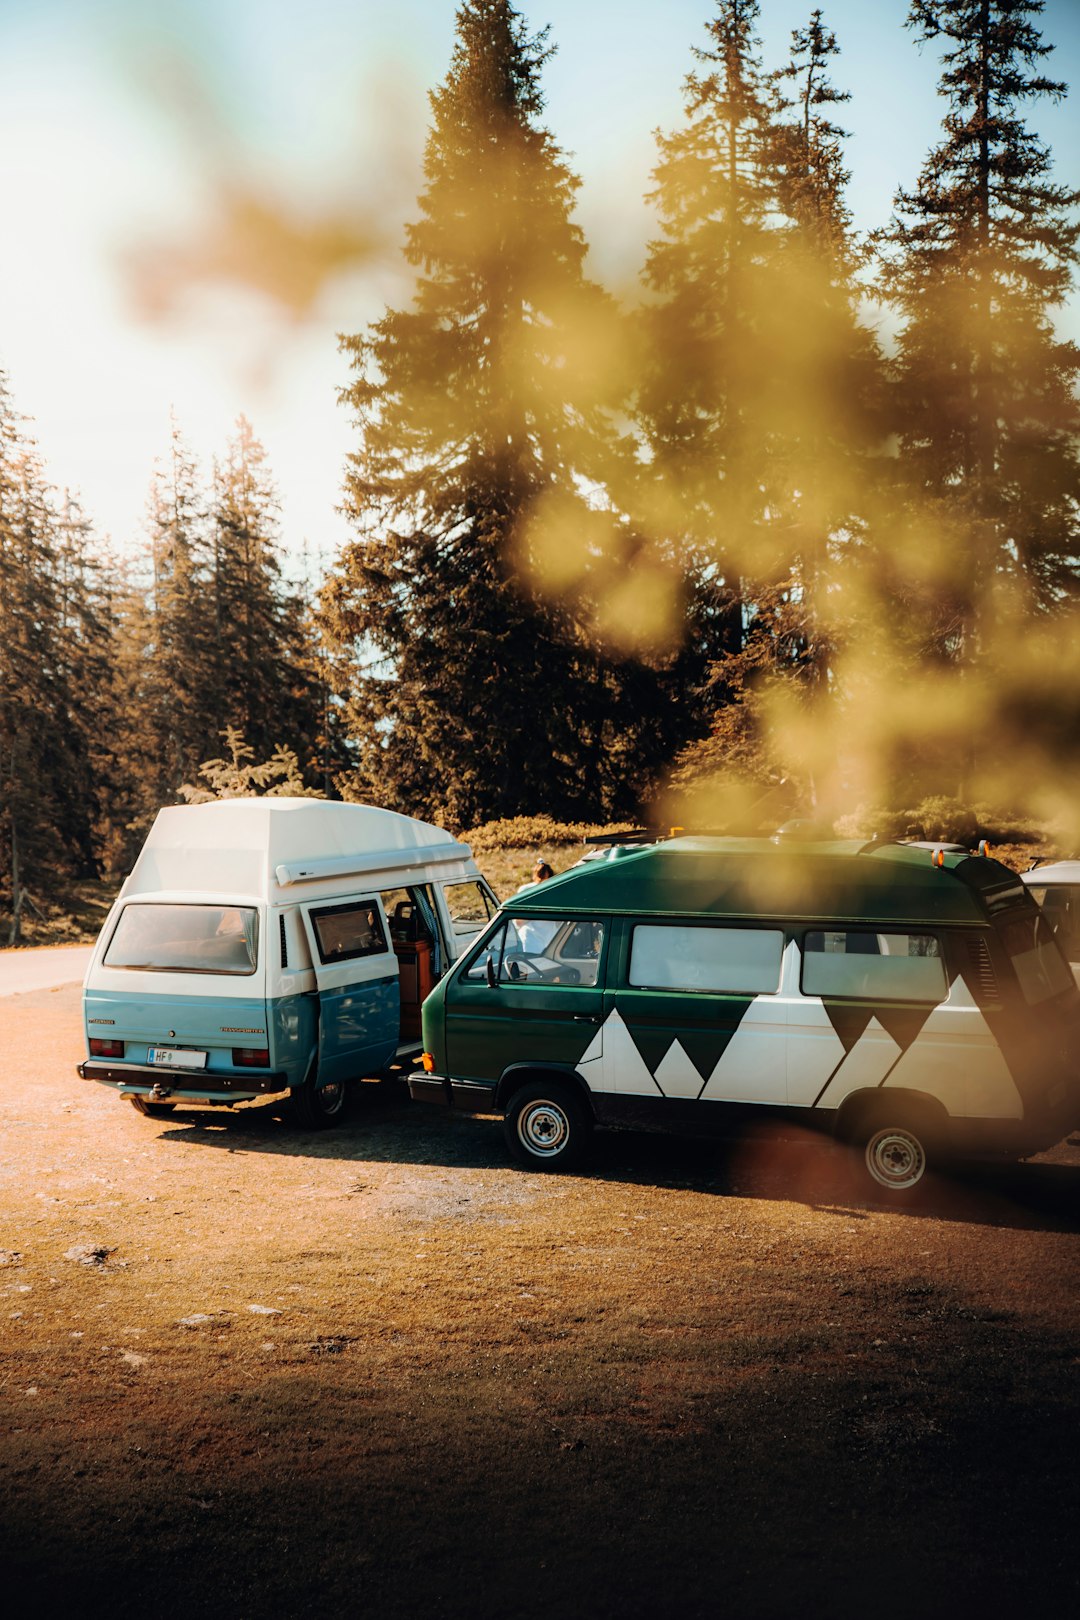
(118,121)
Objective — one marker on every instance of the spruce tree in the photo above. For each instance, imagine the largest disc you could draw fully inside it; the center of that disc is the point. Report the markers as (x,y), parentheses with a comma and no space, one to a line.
(701,402)
(759,399)
(265,687)
(470,693)
(47,665)
(977,258)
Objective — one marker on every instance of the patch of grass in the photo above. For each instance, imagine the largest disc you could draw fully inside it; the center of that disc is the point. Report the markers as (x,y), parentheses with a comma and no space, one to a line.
(73,916)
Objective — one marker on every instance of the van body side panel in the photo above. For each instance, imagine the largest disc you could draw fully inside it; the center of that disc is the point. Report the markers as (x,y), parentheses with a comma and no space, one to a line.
(294,1034)
(358,1028)
(550,1023)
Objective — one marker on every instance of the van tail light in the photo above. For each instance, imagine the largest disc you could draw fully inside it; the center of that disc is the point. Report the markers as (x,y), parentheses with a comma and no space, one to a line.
(428,1061)
(106,1048)
(251,1057)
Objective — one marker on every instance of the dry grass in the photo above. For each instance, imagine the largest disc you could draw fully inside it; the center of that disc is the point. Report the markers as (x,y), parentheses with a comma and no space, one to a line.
(473,1392)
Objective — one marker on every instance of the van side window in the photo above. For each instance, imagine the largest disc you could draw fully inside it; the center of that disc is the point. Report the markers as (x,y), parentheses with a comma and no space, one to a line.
(542,951)
(723,961)
(1035,956)
(874,967)
(348,931)
(470,907)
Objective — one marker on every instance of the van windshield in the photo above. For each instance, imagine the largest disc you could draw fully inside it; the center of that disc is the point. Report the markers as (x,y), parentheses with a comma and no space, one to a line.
(1036,956)
(157,938)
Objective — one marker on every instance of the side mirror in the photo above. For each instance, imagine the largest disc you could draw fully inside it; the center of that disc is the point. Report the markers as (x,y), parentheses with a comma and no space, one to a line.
(489,968)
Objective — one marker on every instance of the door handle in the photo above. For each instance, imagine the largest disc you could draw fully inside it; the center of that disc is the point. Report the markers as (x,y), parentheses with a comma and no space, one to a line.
(585,1018)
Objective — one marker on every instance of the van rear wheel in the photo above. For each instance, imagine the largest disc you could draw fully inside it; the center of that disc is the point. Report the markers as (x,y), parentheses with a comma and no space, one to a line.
(896,1158)
(547,1126)
(317,1108)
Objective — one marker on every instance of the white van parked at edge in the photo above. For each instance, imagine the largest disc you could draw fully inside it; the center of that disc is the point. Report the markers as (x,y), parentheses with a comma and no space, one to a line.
(1056,886)
(274,946)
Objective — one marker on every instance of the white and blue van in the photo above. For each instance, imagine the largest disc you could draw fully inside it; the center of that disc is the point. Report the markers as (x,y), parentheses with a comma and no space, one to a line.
(274,947)
(1056,886)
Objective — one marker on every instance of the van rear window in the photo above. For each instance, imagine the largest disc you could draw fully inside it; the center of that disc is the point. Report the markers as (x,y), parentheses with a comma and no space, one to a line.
(1036,956)
(157,938)
(873,967)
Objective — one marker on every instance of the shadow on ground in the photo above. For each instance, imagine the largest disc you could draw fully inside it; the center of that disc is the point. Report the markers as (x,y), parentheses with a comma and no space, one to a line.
(383,1127)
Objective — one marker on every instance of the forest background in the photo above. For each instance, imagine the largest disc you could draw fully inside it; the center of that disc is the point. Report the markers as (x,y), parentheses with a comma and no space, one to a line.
(790,530)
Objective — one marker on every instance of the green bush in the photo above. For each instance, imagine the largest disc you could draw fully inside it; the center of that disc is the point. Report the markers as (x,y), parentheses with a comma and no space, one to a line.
(532,832)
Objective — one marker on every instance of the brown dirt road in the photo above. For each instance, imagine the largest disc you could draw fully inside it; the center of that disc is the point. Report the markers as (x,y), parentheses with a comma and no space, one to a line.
(249,1372)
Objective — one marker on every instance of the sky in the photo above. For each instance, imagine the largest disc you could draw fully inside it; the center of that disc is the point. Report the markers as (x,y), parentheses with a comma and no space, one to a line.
(124,126)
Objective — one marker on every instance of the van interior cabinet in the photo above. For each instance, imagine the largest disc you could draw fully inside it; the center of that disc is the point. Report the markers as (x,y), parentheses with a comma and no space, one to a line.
(416,980)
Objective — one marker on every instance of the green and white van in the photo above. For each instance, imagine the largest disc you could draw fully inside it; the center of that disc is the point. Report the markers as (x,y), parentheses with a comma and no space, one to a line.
(910,1000)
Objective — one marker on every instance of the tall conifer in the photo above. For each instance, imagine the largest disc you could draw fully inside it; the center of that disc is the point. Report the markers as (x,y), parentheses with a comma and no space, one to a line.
(471,694)
(978,257)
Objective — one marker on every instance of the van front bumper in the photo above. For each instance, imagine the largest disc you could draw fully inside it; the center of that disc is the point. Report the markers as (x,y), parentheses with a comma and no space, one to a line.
(182,1085)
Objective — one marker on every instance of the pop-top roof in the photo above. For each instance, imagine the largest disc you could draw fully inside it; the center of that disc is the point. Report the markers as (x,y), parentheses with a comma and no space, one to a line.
(278,848)
(1054,872)
(757,878)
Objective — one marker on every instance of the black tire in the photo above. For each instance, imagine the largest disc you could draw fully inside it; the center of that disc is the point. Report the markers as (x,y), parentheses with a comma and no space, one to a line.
(155,1110)
(547,1126)
(317,1108)
(896,1156)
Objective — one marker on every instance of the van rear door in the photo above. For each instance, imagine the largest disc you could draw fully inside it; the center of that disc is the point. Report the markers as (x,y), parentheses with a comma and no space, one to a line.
(356,972)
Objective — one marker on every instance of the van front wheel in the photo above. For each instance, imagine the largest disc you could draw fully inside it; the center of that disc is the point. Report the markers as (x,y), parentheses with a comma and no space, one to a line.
(547,1126)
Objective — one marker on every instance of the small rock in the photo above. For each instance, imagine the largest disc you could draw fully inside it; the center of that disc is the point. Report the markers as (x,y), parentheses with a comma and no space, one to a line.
(132,1359)
(89,1254)
(263,1310)
(10,1257)
(197,1320)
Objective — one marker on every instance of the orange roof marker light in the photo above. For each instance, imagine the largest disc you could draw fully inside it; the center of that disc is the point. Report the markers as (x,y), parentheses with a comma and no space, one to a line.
(984,846)
(938,857)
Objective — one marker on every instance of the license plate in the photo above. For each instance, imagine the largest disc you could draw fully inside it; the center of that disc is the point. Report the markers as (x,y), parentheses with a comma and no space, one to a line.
(176,1057)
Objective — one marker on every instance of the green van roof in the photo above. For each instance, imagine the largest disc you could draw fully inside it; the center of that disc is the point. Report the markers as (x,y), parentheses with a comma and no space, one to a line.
(753,877)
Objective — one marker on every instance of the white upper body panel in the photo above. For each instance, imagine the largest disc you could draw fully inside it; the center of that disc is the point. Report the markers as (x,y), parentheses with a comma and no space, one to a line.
(282,850)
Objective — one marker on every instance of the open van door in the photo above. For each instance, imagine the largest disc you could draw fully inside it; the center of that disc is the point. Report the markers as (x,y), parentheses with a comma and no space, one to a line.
(357,976)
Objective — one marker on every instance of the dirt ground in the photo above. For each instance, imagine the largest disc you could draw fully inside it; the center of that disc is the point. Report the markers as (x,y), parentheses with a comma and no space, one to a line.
(251,1372)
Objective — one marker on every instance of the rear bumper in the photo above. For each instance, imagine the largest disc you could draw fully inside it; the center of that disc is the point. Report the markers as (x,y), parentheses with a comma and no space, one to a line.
(460,1094)
(180,1085)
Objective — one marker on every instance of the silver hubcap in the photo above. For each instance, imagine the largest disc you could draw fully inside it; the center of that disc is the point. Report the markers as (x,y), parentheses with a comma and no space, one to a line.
(895,1158)
(331,1097)
(543,1129)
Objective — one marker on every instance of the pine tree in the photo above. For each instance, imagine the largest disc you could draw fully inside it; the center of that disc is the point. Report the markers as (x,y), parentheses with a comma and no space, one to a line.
(977,258)
(471,694)
(265,687)
(46,665)
(183,658)
(758,405)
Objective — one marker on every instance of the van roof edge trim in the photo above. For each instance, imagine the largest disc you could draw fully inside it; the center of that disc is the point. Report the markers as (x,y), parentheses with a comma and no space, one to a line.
(388,860)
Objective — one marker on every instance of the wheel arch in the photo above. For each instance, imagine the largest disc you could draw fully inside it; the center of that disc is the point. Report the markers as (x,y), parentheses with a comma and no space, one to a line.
(517,1075)
(890,1104)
